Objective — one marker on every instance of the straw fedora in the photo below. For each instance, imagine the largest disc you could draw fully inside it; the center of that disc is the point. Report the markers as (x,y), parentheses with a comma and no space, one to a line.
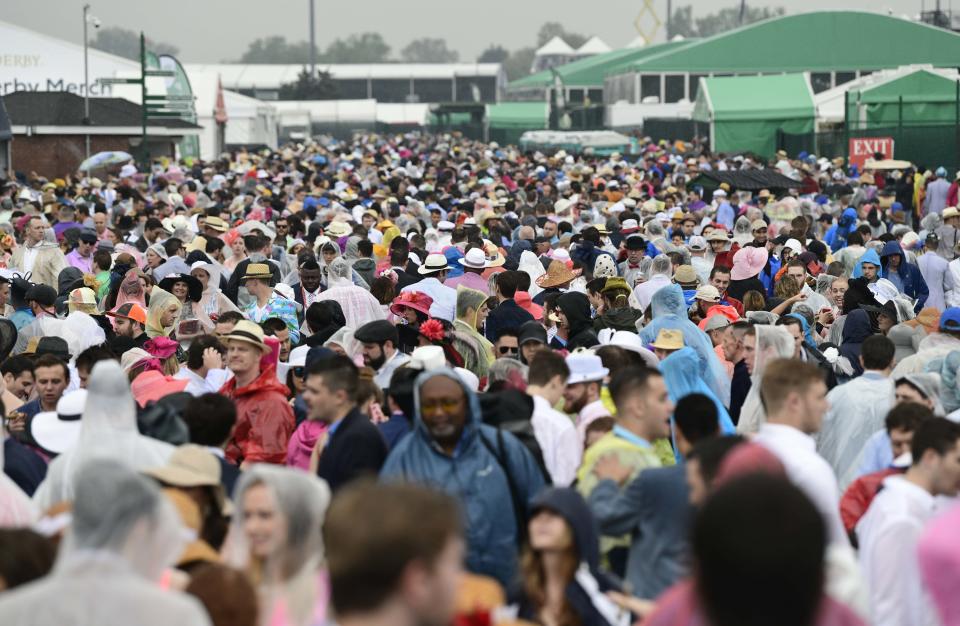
(668,339)
(337,229)
(557,274)
(191,465)
(256,270)
(435,262)
(248,332)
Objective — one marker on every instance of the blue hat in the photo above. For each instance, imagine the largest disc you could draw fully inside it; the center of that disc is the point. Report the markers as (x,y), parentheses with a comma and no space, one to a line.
(822,199)
(802,155)
(950,319)
(896,207)
(319,160)
(324,201)
(941,171)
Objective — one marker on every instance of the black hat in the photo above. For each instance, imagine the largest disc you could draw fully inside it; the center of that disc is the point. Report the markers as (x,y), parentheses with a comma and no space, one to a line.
(531,331)
(57,346)
(636,242)
(44,295)
(194,286)
(377,331)
(541,239)
(88,236)
(932,240)
(8,338)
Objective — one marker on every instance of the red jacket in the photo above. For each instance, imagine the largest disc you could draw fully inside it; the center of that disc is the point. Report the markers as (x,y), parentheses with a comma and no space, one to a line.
(265,420)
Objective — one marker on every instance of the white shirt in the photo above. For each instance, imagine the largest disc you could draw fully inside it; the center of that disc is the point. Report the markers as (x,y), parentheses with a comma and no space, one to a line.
(385,373)
(808,471)
(197,386)
(558,441)
(29,258)
(888,534)
(444,298)
(644,291)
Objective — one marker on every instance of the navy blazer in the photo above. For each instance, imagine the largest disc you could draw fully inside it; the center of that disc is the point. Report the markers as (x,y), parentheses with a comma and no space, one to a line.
(355,449)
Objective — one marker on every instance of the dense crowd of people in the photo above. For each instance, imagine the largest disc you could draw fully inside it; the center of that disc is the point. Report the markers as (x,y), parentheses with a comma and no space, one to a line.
(423,380)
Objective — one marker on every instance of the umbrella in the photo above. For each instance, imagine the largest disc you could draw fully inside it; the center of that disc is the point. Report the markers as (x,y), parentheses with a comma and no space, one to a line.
(887,164)
(105,159)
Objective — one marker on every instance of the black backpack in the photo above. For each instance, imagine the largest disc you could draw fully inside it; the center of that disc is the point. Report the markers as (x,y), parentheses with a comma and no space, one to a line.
(510,411)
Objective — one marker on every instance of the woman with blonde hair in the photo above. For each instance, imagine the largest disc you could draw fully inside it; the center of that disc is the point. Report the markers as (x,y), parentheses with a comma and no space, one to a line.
(276,538)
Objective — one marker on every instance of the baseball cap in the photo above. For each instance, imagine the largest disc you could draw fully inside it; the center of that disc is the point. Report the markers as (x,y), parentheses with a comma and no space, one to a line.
(697,243)
(950,319)
(130,310)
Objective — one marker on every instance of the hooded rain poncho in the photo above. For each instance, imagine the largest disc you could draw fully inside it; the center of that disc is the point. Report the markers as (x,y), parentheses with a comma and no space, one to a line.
(160,301)
(124,534)
(108,429)
(773,342)
(670,311)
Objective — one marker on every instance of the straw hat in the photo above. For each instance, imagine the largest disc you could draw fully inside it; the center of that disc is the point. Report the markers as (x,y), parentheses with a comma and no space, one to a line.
(557,274)
(337,229)
(748,262)
(248,332)
(256,270)
(191,465)
(668,339)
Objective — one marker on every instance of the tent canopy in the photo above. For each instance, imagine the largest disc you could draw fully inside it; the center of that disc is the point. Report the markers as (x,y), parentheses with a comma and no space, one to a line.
(814,42)
(746,180)
(746,112)
(589,72)
(527,115)
(927,98)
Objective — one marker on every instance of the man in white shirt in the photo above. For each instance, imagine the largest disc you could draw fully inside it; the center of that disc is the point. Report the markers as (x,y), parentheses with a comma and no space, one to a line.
(379,340)
(204,371)
(581,396)
(795,398)
(661,271)
(434,270)
(555,433)
(889,530)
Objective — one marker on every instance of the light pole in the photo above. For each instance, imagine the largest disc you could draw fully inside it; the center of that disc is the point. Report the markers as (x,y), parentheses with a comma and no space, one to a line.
(86,78)
(313,43)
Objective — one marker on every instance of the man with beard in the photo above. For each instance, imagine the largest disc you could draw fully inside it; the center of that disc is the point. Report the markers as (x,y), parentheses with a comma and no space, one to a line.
(379,341)
(582,393)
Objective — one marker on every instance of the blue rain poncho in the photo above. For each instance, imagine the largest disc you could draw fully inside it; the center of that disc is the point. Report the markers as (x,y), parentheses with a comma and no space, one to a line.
(680,373)
(669,311)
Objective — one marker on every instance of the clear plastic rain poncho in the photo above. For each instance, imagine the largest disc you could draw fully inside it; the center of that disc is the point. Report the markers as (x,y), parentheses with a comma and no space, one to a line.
(670,311)
(78,329)
(530,264)
(359,306)
(290,585)
(123,535)
(773,342)
(857,411)
(108,429)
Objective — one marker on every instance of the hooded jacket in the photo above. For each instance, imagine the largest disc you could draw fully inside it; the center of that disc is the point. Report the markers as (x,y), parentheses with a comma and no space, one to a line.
(870,256)
(913,284)
(265,420)
(855,330)
(586,592)
(836,236)
(623,318)
(576,307)
(476,477)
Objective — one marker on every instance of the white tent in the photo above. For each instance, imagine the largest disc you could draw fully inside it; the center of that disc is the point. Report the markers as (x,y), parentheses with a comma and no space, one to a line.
(592,46)
(555,46)
(249,121)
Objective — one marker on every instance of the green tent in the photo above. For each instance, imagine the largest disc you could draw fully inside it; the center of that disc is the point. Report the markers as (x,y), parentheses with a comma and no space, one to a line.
(922,97)
(506,121)
(745,112)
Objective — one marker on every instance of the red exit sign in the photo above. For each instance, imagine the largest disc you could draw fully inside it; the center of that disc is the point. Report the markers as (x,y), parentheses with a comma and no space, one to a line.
(863,148)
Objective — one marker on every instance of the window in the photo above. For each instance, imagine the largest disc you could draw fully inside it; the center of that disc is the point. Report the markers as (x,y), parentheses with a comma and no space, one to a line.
(391,89)
(820,81)
(485,87)
(695,85)
(433,89)
(649,87)
(351,88)
(595,96)
(575,96)
(844,77)
(674,88)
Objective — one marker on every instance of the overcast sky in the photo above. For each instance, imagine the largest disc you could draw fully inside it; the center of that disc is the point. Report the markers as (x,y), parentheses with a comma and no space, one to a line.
(216,30)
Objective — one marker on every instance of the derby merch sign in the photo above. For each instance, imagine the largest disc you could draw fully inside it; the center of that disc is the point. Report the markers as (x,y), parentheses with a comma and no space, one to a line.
(863,148)
(55,84)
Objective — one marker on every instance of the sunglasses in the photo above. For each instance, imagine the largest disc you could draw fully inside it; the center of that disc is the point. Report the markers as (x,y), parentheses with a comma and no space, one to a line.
(508,350)
(299,371)
(447,405)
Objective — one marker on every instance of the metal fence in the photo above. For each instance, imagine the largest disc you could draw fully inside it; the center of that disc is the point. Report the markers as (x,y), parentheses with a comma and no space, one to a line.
(926,145)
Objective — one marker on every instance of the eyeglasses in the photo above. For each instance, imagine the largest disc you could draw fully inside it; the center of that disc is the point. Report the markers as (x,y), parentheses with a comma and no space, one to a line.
(299,371)
(447,405)
(508,350)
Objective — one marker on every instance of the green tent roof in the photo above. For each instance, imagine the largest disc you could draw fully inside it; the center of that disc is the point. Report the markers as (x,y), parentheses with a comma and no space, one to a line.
(920,86)
(774,97)
(821,41)
(589,72)
(527,115)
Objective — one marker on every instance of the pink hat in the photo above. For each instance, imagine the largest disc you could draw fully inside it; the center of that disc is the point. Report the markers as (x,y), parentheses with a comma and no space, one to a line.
(161,347)
(748,262)
(416,300)
(152,385)
(525,302)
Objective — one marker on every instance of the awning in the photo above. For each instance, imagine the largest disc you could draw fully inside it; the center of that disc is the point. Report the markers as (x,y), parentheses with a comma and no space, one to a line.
(747,180)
